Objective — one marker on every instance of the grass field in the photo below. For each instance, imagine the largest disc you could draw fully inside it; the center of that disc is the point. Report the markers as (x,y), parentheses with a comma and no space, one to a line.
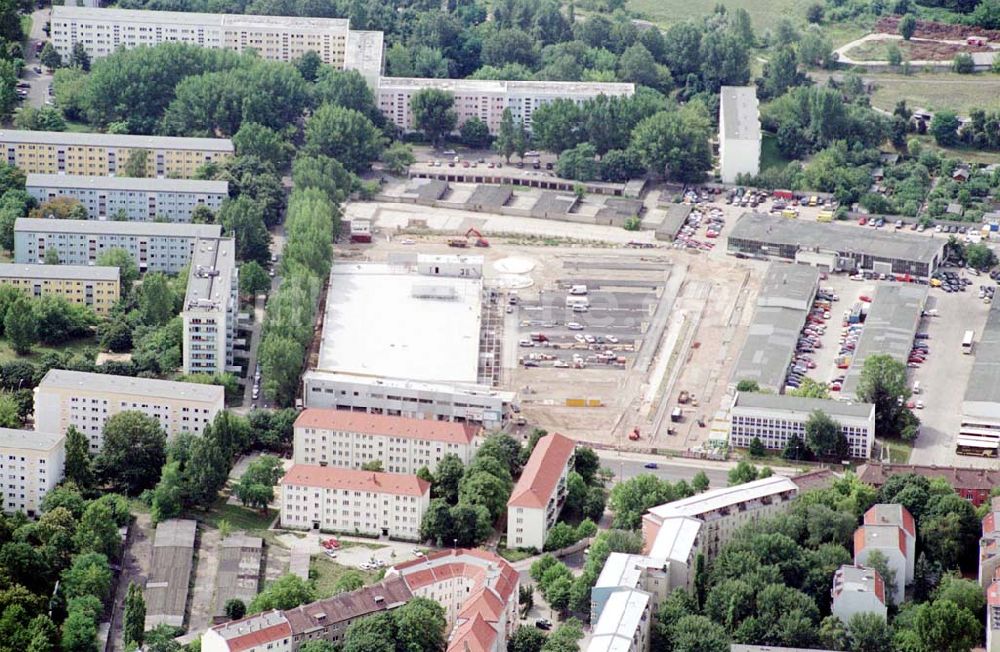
(37,351)
(769,155)
(764,13)
(238,517)
(326,573)
(936,91)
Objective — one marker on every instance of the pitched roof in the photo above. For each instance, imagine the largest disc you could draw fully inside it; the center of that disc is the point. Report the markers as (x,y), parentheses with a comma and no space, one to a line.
(390,592)
(891,514)
(328,477)
(254,631)
(815,479)
(475,635)
(989,523)
(392,426)
(876,474)
(542,472)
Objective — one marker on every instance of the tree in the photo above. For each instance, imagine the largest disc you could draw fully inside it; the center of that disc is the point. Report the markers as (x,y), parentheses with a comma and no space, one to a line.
(317,646)
(868,632)
(943,625)
(266,144)
(98,529)
(586,463)
(486,490)
(893,55)
(89,575)
(235,609)
(630,499)
(420,626)
(256,485)
(434,113)
(510,136)
(79,630)
(253,279)
(168,496)
(79,465)
(156,300)
(448,474)
(814,13)
(398,157)
(742,473)
(699,634)
(308,65)
(756,448)
(907,26)
(944,128)
(127,269)
(243,218)
(557,126)
(675,143)
(372,634)
(21,326)
(345,135)
(526,639)
(565,638)
(579,163)
(883,383)
(133,453)
(373,465)
(878,561)
(824,437)
(137,164)
(135,616)
(474,133)
(747,385)
(809,388)
(79,57)
(980,256)
(700,482)
(350,581)
(286,592)
(50,56)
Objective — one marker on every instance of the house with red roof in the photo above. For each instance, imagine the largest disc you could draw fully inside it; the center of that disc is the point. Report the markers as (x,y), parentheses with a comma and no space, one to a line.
(348,439)
(857,590)
(348,500)
(888,529)
(540,492)
(264,632)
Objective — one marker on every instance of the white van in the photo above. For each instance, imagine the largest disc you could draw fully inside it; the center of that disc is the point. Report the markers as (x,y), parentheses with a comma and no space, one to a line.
(577,301)
(916,387)
(578,289)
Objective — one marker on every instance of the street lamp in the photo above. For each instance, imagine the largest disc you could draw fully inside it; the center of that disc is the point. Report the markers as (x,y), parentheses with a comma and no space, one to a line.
(454,543)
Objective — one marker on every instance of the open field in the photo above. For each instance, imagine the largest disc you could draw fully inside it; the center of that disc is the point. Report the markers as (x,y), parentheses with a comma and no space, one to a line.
(327,573)
(764,13)
(911,50)
(936,91)
(37,351)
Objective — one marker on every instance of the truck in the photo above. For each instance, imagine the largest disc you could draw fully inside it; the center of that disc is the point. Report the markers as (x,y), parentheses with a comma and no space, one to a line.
(676,415)
(683,397)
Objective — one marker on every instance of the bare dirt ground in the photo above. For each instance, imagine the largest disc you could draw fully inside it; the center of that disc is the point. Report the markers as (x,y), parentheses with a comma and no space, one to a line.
(932,30)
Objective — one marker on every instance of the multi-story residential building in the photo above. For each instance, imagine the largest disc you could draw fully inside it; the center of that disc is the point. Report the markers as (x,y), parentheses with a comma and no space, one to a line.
(31,464)
(775,418)
(625,572)
(87,400)
(973,485)
(403,445)
(345,500)
(267,631)
(135,199)
(154,246)
(277,38)
(487,99)
(739,132)
(540,492)
(993,617)
(624,624)
(90,154)
(479,593)
(98,288)
(888,529)
(857,590)
(211,306)
(893,514)
(989,545)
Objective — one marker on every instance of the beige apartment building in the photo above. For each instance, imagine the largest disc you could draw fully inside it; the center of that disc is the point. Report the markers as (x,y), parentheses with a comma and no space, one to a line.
(343,438)
(540,492)
(31,464)
(87,400)
(92,154)
(98,288)
(345,500)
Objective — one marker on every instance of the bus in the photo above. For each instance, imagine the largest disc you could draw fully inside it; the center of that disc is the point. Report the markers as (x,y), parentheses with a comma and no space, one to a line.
(977,446)
(967,342)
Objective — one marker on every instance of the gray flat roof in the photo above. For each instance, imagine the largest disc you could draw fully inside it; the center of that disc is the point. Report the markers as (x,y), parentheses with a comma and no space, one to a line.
(28,439)
(769,346)
(984,383)
(75,272)
(889,328)
(786,403)
(210,279)
(170,572)
(60,12)
(100,227)
(550,202)
(489,196)
(239,570)
(115,140)
(426,189)
(153,388)
(674,219)
(758,227)
(146,184)
(738,105)
(788,284)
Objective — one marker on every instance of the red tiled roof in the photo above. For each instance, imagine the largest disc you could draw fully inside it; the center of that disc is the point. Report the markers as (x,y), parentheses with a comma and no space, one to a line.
(390,426)
(879,587)
(815,479)
(328,477)
(346,607)
(650,529)
(989,523)
(475,635)
(541,474)
(859,540)
(485,604)
(259,637)
(993,595)
(961,479)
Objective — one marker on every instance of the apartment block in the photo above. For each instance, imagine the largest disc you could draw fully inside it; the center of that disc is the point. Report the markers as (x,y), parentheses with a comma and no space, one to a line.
(989,544)
(98,288)
(342,500)
(348,439)
(211,306)
(540,492)
(154,246)
(87,400)
(857,590)
(624,624)
(893,514)
(739,132)
(91,154)
(890,530)
(775,418)
(487,99)
(276,38)
(31,464)
(134,199)
(993,617)
(625,572)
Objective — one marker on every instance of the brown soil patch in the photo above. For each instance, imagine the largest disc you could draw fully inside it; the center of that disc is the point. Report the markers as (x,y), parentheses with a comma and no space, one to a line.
(932,30)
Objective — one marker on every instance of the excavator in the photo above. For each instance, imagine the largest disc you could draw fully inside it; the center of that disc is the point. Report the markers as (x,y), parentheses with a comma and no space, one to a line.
(464,241)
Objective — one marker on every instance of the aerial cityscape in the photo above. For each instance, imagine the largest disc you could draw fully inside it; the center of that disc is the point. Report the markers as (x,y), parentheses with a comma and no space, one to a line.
(500,326)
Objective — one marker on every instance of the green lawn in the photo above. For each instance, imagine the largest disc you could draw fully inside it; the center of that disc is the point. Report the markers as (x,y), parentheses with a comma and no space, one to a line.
(936,91)
(238,517)
(764,13)
(326,572)
(899,451)
(513,554)
(37,351)
(770,156)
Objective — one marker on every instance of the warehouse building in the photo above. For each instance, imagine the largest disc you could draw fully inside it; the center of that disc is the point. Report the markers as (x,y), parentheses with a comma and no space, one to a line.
(980,426)
(239,570)
(739,132)
(211,306)
(170,573)
(97,288)
(783,304)
(92,154)
(130,198)
(774,419)
(836,248)
(154,246)
(889,329)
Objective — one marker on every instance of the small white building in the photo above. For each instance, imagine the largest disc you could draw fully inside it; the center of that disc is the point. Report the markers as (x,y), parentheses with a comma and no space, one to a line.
(857,590)
(31,464)
(739,132)
(624,623)
(540,492)
(345,500)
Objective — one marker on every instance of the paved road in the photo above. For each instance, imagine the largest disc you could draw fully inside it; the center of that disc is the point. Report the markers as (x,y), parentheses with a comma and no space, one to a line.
(629,465)
(277,247)
(39,82)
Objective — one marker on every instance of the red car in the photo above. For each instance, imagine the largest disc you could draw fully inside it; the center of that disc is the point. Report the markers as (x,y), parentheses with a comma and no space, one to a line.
(330,544)
(865,298)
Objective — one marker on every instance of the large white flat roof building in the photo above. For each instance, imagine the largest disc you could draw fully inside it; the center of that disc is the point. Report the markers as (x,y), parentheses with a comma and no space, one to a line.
(739,132)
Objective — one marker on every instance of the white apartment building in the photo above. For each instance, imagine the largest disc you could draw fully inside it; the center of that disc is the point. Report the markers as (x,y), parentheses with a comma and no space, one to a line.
(487,99)
(136,199)
(624,624)
(351,439)
(857,590)
(774,418)
(894,514)
(890,540)
(31,464)
(989,544)
(540,492)
(739,132)
(211,306)
(87,400)
(993,617)
(277,38)
(345,500)
(154,246)
(623,571)
(263,632)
